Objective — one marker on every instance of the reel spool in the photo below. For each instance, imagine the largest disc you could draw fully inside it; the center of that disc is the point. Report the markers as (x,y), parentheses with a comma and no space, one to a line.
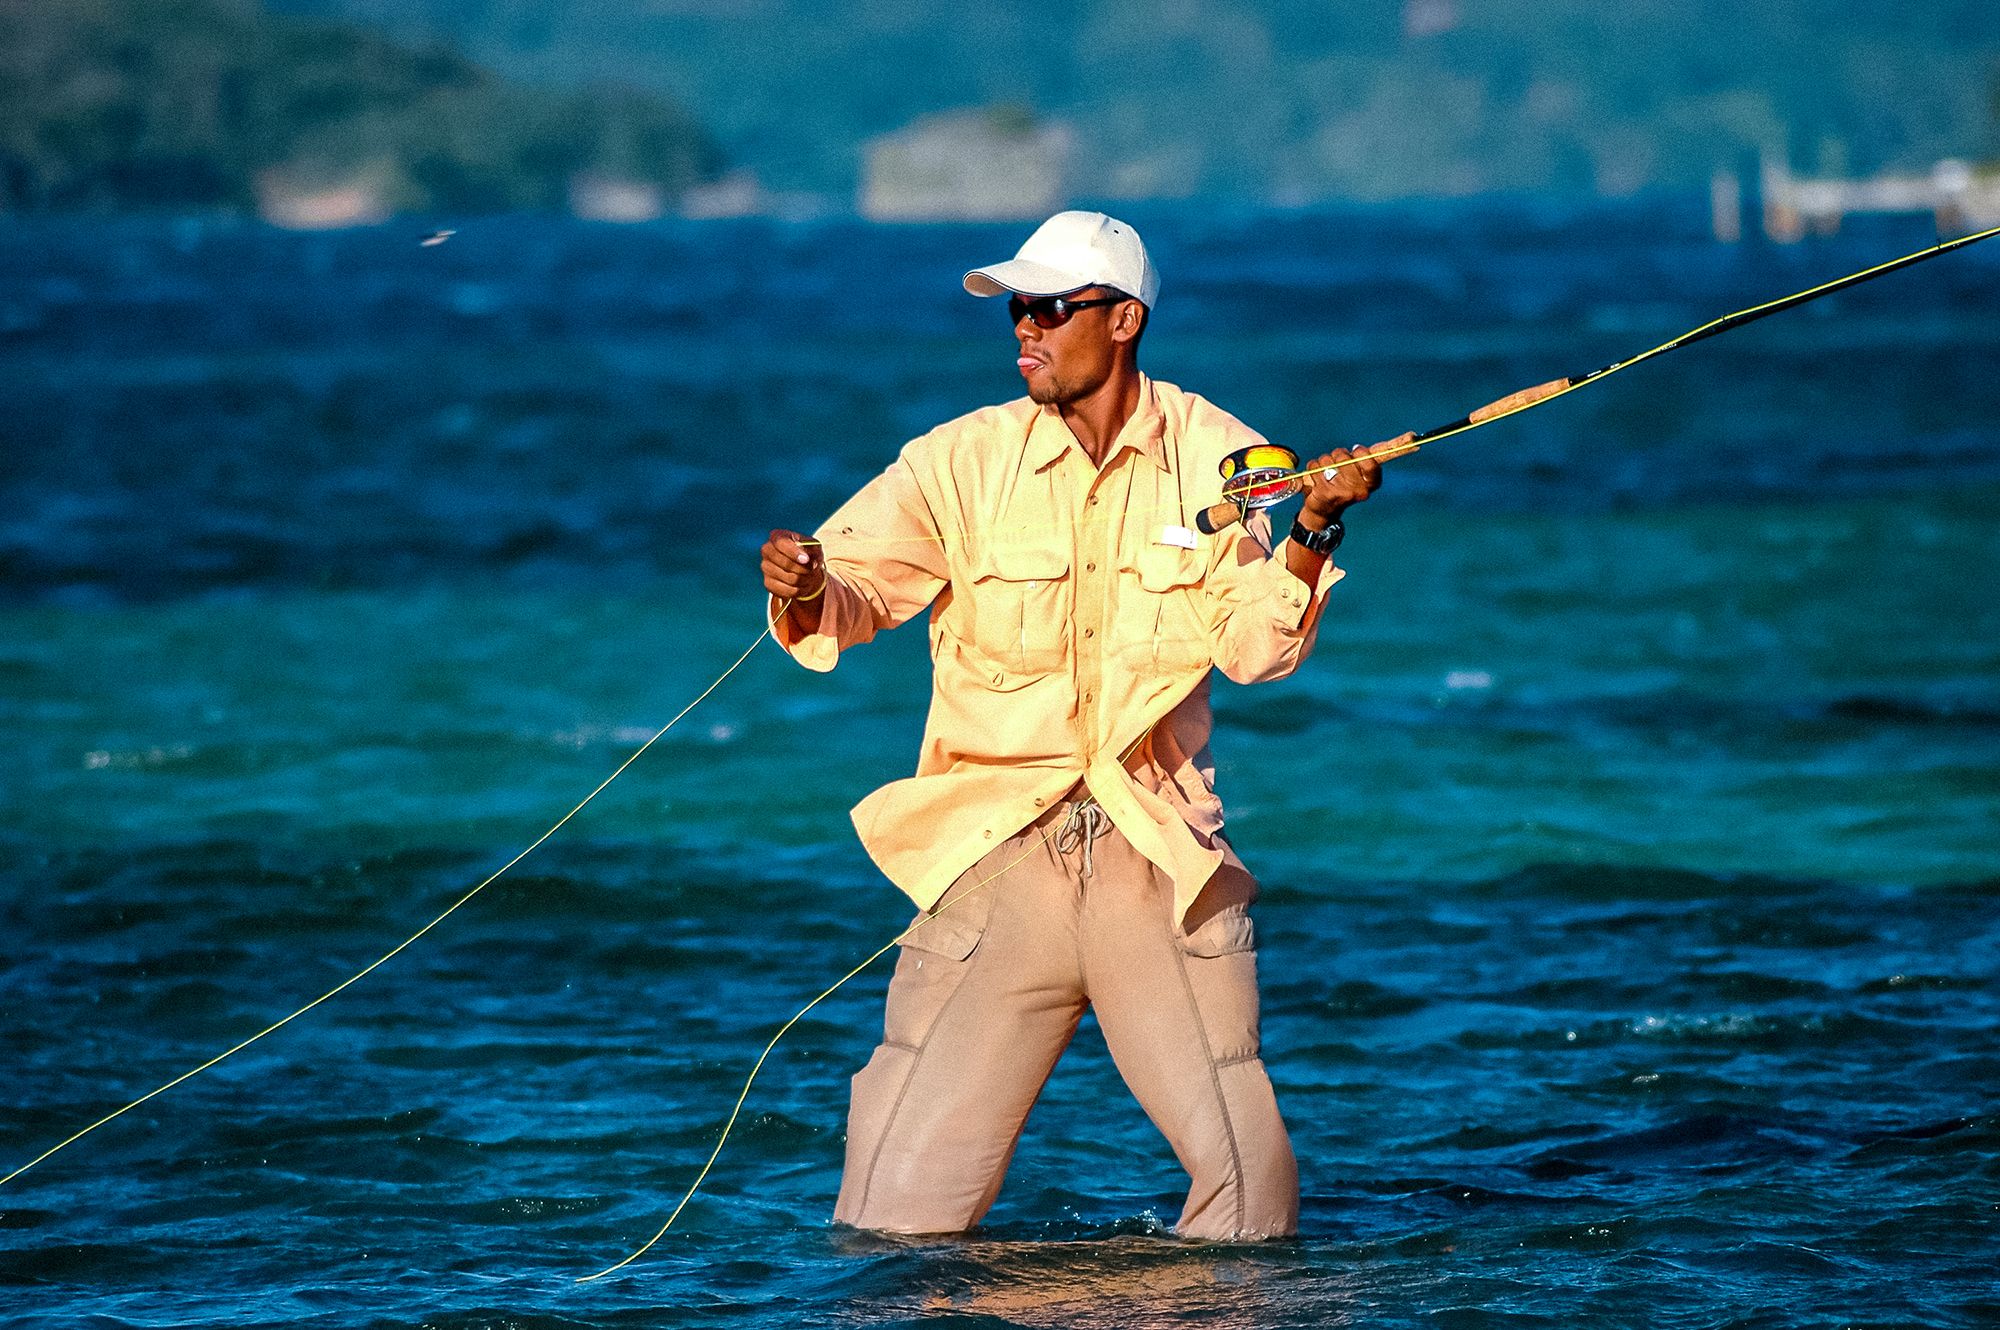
(1259,476)
(1255,477)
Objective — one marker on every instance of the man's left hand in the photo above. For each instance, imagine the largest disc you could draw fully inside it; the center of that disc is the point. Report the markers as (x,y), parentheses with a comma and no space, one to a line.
(1344,477)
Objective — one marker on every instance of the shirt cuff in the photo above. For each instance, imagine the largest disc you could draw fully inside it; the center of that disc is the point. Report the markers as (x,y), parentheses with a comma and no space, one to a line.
(1294,604)
(820,650)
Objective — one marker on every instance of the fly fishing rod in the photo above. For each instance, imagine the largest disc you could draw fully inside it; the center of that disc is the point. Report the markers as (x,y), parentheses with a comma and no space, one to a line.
(1266,474)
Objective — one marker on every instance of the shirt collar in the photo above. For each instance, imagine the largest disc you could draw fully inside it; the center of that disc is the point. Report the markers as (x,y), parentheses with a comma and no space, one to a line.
(1145,432)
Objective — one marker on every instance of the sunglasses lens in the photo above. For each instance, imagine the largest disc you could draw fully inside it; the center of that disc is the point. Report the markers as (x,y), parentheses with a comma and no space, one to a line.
(1046,311)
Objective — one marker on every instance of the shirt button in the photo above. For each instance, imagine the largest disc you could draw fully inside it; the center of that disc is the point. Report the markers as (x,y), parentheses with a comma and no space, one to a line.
(1038,803)
(1090,632)
(1090,568)
(988,834)
(998,677)
(1093,500)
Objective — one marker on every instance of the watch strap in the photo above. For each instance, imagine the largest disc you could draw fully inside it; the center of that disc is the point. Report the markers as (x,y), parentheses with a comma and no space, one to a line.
(1319,542)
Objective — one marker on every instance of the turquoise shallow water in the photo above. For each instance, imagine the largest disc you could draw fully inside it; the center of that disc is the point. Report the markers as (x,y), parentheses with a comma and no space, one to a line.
(1631,888)
(1799,689)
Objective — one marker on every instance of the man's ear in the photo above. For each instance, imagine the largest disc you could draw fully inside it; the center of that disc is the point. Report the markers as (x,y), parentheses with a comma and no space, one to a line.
(1131,317)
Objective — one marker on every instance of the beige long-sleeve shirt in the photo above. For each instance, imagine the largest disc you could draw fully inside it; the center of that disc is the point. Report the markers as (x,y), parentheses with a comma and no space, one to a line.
(1074,613)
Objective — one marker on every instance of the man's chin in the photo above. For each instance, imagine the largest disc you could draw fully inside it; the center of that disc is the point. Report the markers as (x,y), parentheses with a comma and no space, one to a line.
(1042,394)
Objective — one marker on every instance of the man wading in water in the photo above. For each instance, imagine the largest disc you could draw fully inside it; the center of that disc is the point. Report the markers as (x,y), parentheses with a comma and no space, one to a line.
(1075,615)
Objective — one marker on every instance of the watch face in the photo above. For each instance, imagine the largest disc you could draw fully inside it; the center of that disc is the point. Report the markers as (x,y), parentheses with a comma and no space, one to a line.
(1319,542)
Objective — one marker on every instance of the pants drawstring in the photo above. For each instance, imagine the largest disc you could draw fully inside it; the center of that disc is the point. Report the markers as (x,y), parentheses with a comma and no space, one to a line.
(1085,823)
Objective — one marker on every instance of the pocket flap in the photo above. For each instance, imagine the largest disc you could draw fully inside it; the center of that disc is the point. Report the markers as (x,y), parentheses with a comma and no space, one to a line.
(1223,933)
(953,934)
(1218,922)
(995,676)
(1021,563)
(1166,567)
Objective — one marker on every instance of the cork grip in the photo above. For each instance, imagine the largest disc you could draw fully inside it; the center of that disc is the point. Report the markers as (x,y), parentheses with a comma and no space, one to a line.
(1519,401)
(1216,517)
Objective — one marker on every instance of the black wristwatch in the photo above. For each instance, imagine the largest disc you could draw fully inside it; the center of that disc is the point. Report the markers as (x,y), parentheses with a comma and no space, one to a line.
(1319,542)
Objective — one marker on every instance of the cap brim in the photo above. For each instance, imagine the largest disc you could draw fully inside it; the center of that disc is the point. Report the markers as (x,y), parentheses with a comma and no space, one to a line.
(1023,278)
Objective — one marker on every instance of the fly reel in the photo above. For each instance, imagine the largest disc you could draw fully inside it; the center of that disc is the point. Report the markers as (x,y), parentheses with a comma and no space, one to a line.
(1259,476)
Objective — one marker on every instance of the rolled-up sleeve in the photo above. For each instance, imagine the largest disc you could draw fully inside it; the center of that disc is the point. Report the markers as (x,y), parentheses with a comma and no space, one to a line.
(1263,620)
(884,560)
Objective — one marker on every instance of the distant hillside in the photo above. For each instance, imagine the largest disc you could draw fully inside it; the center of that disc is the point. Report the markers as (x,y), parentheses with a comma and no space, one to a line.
(1289,99)
(204,103)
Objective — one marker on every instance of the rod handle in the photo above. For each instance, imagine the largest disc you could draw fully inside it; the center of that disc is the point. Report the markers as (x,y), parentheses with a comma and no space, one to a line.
(1216,517)
(1519,401)
(1221,516)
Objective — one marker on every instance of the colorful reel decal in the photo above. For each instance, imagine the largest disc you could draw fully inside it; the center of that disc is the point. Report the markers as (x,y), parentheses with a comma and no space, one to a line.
(1259,476)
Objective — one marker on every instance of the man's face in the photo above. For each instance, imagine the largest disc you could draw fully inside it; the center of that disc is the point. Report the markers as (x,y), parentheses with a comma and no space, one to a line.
(1065,364)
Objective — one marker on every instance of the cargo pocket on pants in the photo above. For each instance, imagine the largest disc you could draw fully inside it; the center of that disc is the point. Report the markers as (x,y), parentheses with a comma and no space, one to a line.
(934,961)
(1218,946)
(1218,923)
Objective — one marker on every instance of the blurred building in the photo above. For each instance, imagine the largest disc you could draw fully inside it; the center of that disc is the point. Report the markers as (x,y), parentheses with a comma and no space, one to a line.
(1958,197)
(605,198)
(981,165)
(304,201)
(1428,18)
(738,194)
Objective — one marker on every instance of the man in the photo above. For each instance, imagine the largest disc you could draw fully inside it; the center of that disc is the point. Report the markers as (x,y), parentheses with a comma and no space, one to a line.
(1061,834)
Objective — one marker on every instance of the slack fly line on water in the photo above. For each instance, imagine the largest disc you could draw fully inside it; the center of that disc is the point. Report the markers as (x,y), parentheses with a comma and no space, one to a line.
(394,951)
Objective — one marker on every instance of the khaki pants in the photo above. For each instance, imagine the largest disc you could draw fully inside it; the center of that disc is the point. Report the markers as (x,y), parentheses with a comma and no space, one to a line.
(986,996)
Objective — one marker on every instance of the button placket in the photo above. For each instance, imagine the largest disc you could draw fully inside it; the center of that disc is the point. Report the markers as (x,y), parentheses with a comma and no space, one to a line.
(1095,539)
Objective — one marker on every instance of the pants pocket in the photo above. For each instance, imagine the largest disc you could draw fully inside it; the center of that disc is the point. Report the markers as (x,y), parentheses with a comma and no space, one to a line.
(1218,923)
(937,952)
(1224,989)
(1218,945)
(1222,934)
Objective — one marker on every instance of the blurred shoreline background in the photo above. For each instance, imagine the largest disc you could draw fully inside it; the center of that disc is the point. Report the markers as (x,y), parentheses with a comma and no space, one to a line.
(338,112)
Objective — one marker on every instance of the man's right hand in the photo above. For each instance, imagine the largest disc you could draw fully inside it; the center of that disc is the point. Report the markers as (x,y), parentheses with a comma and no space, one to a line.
(795,566)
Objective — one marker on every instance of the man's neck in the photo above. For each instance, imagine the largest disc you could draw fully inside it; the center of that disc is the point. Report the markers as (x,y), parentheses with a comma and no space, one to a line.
(1096,420)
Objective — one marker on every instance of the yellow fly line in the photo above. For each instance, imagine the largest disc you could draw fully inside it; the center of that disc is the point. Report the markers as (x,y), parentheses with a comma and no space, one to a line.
(743,1095)
(730,1125)
(394,951)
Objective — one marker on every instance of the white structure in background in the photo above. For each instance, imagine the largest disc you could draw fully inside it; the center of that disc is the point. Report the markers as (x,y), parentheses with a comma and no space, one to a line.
(1428,18)
(1725,206)
(983,165)
(311,202)
(1960,199)
(601,198)
(738,194)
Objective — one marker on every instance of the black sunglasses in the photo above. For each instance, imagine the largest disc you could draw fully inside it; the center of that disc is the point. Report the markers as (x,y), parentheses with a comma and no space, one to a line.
(1054,311)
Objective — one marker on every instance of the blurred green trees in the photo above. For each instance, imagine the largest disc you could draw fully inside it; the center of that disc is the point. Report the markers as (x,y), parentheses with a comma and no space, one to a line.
(191,103)
(1298,100)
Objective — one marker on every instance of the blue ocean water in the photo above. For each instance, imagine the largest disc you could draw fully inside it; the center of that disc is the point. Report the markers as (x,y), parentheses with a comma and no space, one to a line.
(1631,924)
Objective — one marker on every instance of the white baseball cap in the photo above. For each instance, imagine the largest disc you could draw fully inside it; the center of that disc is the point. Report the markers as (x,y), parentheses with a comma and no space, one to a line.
(1070,251)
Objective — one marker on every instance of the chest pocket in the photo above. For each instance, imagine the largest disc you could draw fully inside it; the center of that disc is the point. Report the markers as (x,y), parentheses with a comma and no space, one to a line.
(1159,615)
(1020,608)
